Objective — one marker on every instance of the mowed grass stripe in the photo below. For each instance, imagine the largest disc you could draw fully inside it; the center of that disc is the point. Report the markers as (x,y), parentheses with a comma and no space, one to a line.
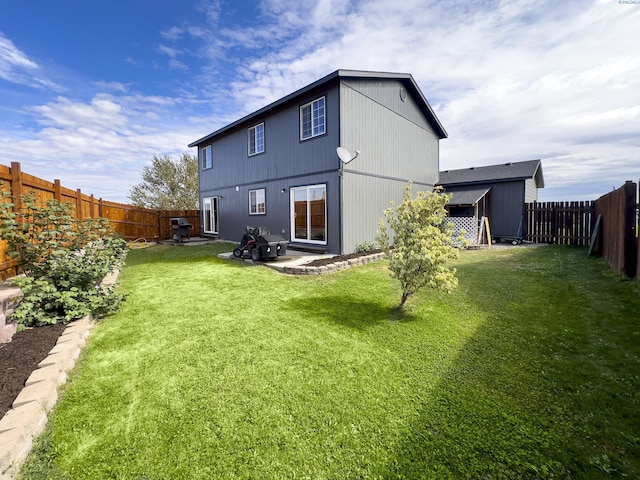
(218,369)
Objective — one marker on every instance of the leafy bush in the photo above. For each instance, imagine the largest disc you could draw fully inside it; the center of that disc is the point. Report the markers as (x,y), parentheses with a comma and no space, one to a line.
(365,246)
(63,261)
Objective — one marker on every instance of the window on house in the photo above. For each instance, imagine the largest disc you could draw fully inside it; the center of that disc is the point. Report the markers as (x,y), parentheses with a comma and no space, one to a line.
(256,202)
(312,119)
(206,160)
(256,139)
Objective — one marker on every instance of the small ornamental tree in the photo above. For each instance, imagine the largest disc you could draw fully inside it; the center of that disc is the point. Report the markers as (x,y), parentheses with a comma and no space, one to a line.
(418,242)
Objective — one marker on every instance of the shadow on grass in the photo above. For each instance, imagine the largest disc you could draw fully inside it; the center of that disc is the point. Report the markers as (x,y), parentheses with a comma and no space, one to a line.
(352,312)
(537,391)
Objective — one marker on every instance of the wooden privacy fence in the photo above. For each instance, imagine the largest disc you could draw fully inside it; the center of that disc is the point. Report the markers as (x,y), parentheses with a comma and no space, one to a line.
(561,223)
(617,235)
(614,215)
(128,221)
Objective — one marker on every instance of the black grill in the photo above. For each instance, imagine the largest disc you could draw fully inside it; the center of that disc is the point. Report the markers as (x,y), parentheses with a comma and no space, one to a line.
(180,227)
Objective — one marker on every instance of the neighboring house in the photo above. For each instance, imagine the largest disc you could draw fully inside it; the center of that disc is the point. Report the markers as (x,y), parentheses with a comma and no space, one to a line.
(498,192)
(278,166)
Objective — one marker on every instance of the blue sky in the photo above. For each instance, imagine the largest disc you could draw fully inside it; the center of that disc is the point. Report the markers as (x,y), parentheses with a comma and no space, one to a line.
(90,91)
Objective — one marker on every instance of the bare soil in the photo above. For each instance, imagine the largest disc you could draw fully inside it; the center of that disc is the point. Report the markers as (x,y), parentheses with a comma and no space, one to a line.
(340,258)
(20,357)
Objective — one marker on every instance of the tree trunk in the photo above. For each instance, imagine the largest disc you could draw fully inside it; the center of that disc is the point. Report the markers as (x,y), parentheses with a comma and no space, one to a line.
(404,298)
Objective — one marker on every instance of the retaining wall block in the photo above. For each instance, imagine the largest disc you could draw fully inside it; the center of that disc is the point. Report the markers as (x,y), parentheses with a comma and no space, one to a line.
(44,392)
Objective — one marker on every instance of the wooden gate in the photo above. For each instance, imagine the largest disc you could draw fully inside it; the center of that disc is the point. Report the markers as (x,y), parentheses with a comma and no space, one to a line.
(561,223)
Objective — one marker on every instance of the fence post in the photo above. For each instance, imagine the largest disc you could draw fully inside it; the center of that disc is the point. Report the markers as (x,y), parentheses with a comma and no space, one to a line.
(16,186)
(57,190)
(78,204)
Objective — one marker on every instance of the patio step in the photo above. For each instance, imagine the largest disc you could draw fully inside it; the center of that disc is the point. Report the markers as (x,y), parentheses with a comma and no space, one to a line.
(10,297)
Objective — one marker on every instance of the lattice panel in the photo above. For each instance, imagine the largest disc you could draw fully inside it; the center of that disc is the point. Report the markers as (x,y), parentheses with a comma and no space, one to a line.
(469,224)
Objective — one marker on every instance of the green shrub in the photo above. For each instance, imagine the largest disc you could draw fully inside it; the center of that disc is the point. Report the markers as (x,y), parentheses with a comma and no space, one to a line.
(365,246)
(63,261)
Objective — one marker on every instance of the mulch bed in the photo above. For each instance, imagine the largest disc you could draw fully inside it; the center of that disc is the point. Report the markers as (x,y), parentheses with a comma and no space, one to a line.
(20,357)
(340,258)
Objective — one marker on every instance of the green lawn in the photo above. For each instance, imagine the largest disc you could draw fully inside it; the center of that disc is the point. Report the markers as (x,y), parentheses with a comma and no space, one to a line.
(219,370)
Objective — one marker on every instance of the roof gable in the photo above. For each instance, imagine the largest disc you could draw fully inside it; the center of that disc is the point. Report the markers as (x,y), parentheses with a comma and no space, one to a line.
(495,173)
(405,78)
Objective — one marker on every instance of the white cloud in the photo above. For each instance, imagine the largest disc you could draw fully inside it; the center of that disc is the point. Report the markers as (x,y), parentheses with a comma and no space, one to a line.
(99,145)
(178,65)
(17,67)
(510,80)
(211,9)
(173,33)
(113,86)
(169,51)
(11,57)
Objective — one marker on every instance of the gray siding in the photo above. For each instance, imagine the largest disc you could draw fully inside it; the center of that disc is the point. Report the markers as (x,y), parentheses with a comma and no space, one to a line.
(234,215)
(285,155)
(530,190)
(387,93)
(364,201)
(287,162)
(397,145)
(391,144)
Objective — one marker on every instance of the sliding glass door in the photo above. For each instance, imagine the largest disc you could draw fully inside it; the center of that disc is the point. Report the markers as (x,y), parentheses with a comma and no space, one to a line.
(309,214)
(210,215)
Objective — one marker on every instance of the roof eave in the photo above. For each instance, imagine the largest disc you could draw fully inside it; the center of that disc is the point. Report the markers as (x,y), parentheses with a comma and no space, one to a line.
(405,77)
(266,108)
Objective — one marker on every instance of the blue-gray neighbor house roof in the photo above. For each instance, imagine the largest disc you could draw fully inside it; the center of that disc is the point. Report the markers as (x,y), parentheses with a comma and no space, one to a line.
(405,78)
(505,172)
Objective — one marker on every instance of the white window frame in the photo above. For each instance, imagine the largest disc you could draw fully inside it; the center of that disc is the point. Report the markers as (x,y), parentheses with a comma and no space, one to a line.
(210,215)
(257,193)
(315,117)
(257,134)
(206,154)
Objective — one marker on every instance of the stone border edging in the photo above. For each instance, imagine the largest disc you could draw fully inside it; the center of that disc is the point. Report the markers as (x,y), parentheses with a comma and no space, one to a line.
(334,267)
(28,417)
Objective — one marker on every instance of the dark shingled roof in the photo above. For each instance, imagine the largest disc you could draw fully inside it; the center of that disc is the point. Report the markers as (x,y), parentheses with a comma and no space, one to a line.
(405,78)
(494,173)
(466,195)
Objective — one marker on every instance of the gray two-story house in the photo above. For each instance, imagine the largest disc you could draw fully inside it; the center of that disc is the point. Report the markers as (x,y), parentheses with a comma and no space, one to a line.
(278,167)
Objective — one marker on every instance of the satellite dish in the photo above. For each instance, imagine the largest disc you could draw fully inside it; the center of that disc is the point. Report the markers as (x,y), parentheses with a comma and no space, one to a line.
(345,155)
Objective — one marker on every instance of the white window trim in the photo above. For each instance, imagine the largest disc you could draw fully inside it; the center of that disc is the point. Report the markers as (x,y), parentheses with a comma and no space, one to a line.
(254,129)
(310,104)
(213,214)
(264,201)
(203,156)
(292,191)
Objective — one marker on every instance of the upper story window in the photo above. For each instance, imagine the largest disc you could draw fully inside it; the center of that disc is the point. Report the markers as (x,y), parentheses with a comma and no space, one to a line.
(206,160)
(257,202)
(312,119)
(256,139)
